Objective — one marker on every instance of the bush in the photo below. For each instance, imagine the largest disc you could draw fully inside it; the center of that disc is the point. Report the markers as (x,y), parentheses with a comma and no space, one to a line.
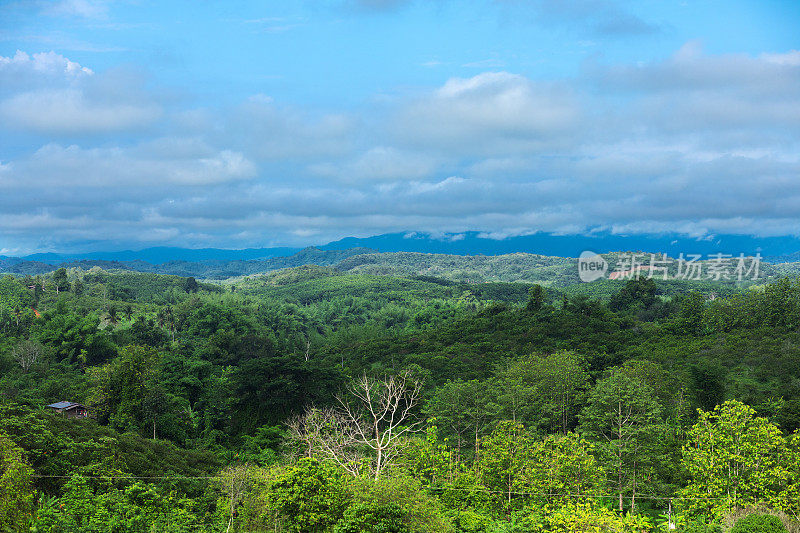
(421,513)
(310,496)
(372,518)
(698,526)
(759,523)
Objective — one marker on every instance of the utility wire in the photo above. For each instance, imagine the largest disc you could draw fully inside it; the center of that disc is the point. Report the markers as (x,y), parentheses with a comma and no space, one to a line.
(429,487)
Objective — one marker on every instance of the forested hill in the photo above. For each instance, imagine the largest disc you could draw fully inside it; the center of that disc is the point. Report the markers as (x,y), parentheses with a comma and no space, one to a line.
(515,267)
(241,405)
(211,268)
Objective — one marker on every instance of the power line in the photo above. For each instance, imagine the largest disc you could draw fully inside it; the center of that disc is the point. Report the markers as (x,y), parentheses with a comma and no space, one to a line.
(429,487)
(119,477)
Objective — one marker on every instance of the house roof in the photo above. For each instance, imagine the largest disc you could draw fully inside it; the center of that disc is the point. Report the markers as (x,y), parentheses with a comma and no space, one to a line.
(64,405)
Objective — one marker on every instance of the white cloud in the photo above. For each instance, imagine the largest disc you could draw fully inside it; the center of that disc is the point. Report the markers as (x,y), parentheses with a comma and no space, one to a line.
(60,111)
(140,169)
(43,62)
(791,58)
(493,112)
(695,143)
(381,163)
(268,131)
(49,94)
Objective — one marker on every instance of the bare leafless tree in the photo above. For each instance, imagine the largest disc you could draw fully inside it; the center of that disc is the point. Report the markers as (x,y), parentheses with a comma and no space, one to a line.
(328,432)
(27,353)
(370,426)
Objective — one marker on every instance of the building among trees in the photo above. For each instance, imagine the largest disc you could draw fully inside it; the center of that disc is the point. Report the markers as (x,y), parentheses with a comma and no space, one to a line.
(70,409)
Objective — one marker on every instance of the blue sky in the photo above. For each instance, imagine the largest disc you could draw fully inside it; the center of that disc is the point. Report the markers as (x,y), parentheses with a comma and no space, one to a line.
(135,123)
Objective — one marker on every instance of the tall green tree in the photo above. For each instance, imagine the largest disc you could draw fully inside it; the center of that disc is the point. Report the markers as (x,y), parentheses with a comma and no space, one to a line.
(733,459)
(622,415)
(464,411)
(504,464)
(60,280)
(543,390)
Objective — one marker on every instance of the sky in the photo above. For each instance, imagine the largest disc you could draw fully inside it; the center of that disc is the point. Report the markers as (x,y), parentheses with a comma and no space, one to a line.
(126,124)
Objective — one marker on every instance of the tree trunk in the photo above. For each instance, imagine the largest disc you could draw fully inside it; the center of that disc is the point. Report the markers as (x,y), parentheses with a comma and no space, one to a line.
(378,463)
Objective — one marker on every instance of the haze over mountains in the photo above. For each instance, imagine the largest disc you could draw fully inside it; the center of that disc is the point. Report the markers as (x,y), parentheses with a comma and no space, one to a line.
(222,263)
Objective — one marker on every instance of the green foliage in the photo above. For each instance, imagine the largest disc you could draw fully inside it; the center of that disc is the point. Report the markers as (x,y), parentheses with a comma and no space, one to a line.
(186,382)
(16,487)
(734,459)
(700,526)
(536,297)
(544,390)
(562,466)
(419,512)
(310,497)
(622,415)
(464,410)
(130,507)
(371,518)
(57,446)
(759,523)
(594,518)
(636,295)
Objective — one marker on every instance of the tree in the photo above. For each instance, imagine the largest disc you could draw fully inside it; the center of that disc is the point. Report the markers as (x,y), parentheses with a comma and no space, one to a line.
(546,473)
(622,414)
(166,319)
(505,462)
(190,285)
(517,393)
(790,497)
(377,415)
(77,287)
(692,312)
(236,482)
(28,353)
(123,391)
(16,489)
(270,388)
(112,316)
(544,389)
(637,294)
(734,459)
(366,518)
(60,279)
(465,410)
(535,299)
(563,465)
(398,503)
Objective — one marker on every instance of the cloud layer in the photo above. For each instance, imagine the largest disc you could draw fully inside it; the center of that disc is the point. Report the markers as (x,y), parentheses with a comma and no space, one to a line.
(697,143)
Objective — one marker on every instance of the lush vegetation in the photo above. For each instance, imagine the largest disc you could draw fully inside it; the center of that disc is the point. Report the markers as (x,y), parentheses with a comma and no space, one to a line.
(353,397)
(544,270)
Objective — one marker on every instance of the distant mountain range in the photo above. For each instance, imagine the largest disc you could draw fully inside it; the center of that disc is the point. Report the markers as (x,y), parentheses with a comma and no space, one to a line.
(776,249)
(163,254)
(209,268)
(221,263)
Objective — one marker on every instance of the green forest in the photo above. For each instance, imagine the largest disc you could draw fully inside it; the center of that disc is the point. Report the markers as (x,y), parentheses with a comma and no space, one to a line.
(372,394)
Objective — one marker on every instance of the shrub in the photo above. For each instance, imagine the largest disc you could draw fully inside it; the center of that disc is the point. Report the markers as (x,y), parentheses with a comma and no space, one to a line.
(310,496)
(372,518)
(759,523)
(421,513)
(699,526)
